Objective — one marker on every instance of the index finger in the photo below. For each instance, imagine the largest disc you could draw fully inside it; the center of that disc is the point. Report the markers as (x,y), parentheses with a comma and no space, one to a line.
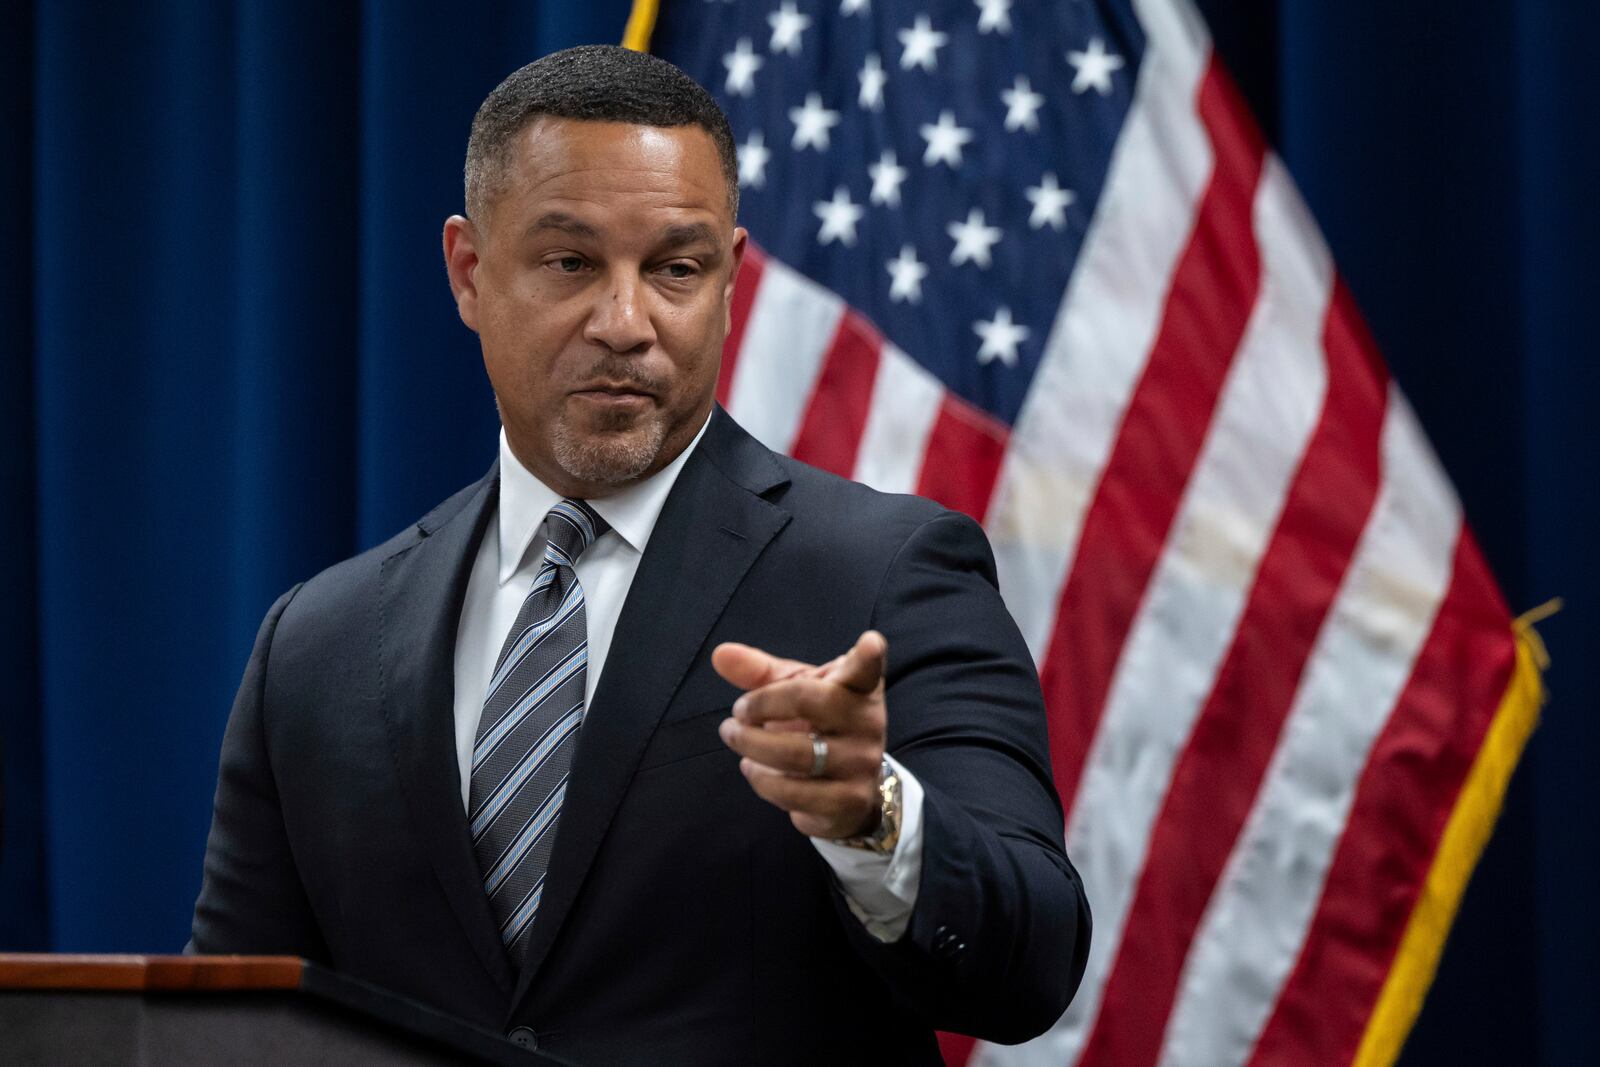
(860,670)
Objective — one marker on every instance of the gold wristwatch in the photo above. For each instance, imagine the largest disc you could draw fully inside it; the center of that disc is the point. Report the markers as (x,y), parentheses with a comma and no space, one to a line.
(887,835)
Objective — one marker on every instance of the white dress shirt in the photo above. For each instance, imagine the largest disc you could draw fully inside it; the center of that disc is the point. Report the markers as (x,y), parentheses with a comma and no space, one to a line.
(880,890)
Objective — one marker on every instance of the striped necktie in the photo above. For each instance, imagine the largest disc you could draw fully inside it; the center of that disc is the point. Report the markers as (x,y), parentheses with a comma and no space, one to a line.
(529,729)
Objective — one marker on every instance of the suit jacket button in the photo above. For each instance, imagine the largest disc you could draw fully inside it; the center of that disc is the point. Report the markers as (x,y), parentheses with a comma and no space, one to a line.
(524,1037)
(947,943)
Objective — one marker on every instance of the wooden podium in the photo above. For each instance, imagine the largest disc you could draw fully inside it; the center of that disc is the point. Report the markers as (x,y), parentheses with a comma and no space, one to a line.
(233,1010)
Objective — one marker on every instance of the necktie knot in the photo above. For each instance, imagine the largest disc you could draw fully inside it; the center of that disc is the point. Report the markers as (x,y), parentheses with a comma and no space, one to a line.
(571,527)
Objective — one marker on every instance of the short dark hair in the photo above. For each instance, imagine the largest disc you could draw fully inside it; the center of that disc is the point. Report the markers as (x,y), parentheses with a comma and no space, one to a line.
(595,83)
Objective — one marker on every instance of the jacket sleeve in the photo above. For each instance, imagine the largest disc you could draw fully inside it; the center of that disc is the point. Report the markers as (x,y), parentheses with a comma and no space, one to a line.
(251,897)
(999,934)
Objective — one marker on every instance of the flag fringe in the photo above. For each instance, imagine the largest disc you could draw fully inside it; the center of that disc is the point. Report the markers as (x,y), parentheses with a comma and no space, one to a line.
(1465,834)
(641,25)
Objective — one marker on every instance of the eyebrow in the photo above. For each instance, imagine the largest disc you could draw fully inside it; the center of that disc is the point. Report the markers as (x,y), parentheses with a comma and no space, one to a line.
(560,220)
(688,233)
(677,236)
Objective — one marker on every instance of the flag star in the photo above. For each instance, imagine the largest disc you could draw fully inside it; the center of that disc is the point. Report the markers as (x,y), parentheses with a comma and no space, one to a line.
(973,240)
(922,42)
(1049,202)
(850,7)
(753,156)
(1000,338)
(944,140)
(787,26)
(995,15)
(887,175)
(839,217)
(1094,68)
(742,65)
(812,122)
(872,81)
(1022,105)
(907,274)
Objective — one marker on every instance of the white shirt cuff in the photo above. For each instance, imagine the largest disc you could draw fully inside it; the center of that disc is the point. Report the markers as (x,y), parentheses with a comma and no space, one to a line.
(881,890)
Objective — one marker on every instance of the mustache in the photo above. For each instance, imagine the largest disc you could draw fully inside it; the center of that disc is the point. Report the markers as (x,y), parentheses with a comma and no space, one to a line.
(623,372)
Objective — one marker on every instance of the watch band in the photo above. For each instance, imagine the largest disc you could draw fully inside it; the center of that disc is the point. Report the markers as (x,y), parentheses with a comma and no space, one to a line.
(887,835)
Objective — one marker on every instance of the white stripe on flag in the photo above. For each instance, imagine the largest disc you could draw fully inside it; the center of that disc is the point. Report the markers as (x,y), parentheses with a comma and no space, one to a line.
(1258,917)
(791,327)
(905,402)
(1102,335)
(1265,417)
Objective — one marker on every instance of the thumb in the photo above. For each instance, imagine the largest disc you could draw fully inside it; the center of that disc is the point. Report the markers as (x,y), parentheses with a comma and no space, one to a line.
(750,668)
(861,669)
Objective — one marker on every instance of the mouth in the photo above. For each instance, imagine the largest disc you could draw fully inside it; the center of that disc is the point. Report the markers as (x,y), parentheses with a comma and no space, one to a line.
(613,395)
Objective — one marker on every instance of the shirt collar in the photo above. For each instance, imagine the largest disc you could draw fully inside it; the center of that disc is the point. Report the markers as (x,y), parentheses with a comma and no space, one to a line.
(525,501)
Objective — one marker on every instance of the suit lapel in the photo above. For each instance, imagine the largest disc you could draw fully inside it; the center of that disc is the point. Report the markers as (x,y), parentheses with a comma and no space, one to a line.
(422,588)
(712,528)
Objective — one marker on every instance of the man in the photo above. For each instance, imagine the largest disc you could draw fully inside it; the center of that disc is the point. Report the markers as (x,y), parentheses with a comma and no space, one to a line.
(502,763)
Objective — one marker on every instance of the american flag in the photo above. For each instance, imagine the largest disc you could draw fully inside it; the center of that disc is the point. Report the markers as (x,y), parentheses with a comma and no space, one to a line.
(1034,260)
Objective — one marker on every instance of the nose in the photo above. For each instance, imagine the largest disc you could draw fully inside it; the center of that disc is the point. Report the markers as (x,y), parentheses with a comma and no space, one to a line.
(620,319)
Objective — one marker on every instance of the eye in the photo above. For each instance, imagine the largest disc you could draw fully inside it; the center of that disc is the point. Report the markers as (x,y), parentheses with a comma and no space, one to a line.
(679,270)
(569,264)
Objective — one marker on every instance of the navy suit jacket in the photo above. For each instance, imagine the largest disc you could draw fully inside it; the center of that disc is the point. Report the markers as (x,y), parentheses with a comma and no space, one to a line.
(684,919)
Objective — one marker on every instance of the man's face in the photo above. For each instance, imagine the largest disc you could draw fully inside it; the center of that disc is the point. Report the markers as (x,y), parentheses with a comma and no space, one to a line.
(599,281)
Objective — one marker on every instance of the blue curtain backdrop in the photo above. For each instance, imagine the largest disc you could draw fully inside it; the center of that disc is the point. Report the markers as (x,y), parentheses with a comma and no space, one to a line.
(228,358)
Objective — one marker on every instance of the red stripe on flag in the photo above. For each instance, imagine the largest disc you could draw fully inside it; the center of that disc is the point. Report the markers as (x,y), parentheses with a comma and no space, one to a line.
(1212,292)
(830,433)
(744,296)
(962,463)
(1405,796)
(956,1048)
(1236,733)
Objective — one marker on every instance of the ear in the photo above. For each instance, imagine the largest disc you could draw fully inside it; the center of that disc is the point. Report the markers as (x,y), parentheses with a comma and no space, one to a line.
(741,238)
(461,263)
